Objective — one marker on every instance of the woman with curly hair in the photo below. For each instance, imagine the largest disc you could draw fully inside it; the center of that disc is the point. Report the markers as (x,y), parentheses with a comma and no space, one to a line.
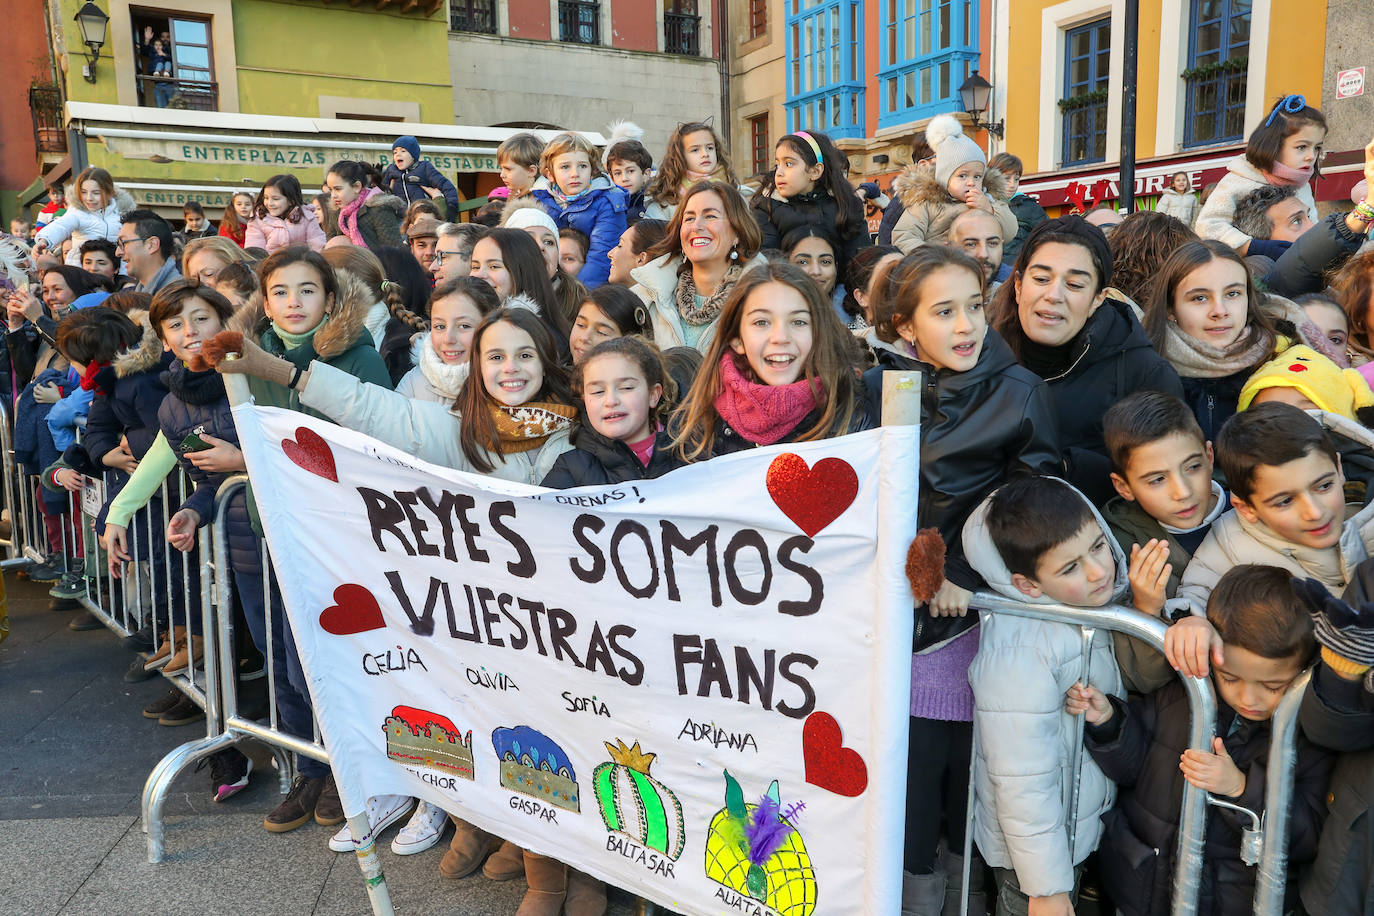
(1140,246)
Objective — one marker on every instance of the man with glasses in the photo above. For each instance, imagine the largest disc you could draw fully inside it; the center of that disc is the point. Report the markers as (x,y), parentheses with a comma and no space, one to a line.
(452,256)
(145,244)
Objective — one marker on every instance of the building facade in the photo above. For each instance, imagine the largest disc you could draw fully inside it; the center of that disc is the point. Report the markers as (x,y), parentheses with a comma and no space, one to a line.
(583,64)
(1208,72)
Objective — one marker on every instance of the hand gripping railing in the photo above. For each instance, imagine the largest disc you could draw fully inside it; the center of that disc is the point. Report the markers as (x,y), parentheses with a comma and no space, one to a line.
(1201,703)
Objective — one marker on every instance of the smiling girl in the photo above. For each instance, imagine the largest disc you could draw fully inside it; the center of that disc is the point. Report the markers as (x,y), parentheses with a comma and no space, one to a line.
(281,218)
(92,213)
(609,312)
(1285,149)
(778,370)
(983,419)
(455,310)
(511,262)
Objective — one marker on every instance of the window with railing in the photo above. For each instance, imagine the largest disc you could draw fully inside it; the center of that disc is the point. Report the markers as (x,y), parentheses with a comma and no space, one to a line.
(472,16)
(825,68)
(1087,64)
(927,49)
(681,27)
(579,21)
(175,61)
(1218,67)
(758,18)
(45,105)
(758,145)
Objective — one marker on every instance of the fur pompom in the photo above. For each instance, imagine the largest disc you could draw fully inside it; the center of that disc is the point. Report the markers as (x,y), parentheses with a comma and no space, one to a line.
(941,128)
(624,130)
(15,261)
(213,351)
(925,564)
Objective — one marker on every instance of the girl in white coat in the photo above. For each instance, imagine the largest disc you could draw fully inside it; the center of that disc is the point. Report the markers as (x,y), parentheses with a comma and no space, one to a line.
(92,213)
(1284,150)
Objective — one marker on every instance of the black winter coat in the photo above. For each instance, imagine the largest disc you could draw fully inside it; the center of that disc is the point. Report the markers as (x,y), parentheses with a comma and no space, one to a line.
(410,185)
(978,429)
(1339,714)
(1303,267)
(1139,749)
(196,403)
(595,460)
(1213,400)
(1029,214)
(778,216)
(133,391)
(1110,358)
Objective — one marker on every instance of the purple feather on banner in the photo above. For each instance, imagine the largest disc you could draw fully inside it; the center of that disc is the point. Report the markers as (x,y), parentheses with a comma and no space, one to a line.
(767,831)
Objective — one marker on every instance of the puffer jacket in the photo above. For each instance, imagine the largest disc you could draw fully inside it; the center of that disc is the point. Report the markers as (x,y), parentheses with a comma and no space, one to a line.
(274,232)
(595,460)
(133,391)
(33,446)
(83,225)
(1023,758)
(1139,749)
(1181,205)
(1213,400)
(425,429)
(1339,714)
(410,185)
(343,342)
(1029,214)
(1109,358)
(1233,541)
(599,214)
(930,208)
(1216,220)
(978,429)
(196,403)
(656,285)
(778,215)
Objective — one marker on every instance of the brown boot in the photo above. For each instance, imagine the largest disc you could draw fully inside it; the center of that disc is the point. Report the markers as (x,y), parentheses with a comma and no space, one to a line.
(471,844)
(548,881)
(194,648)
(506,864)
(586,895)
(171,641)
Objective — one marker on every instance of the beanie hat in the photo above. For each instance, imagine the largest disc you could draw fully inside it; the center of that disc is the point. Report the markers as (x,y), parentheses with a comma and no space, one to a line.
(1333,389)
(521,215)
(952,147)
(410,145)
(89,300)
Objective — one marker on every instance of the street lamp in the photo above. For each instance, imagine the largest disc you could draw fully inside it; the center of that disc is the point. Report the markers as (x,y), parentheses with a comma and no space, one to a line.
(975,93)
(93,22)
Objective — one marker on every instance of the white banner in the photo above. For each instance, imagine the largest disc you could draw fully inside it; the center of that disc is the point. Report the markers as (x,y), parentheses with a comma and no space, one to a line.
(695,688)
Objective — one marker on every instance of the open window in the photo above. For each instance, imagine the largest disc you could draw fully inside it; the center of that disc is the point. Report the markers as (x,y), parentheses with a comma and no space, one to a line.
(174,59)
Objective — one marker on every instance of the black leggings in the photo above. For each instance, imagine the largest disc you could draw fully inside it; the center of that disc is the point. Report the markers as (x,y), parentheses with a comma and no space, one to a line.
(937,774)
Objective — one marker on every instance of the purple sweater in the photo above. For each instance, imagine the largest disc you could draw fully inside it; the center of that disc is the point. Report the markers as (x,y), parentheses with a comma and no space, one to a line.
(939,680)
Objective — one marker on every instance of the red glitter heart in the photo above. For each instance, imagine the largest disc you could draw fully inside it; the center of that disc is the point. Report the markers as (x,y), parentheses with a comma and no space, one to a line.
(812,497)
(309,450)
(354,611)
(829,764)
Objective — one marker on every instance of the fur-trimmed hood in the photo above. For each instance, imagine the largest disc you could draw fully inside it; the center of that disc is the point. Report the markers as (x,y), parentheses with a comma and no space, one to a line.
(515,205)
(917,185)
(338,335)
(144,355)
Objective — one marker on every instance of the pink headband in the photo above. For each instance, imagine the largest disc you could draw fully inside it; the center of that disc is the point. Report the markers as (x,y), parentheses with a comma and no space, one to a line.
(811,142)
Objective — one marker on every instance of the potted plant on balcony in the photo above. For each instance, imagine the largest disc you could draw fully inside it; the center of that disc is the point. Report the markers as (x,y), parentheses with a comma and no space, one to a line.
(45,102)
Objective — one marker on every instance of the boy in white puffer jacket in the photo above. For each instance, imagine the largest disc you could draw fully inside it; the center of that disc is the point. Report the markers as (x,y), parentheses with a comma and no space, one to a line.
(1038,540)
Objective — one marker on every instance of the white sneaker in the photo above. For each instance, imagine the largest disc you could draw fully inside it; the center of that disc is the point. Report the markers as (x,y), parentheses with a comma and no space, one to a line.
(382,812)
(424,829)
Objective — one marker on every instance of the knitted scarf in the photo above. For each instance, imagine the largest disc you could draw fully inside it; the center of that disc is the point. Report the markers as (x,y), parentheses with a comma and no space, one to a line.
(692,178)
(1285,176)
(442,377)
(763,414)
(1195,359)
(709,310)
(525,428)
(88,379)
(292,341)
(348,216)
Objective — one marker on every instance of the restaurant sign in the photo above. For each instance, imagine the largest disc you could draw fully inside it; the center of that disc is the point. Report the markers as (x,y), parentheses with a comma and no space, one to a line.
(280,156)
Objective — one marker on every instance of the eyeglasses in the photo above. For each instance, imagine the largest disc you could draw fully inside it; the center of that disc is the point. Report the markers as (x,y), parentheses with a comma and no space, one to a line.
(440,255)
(120,243)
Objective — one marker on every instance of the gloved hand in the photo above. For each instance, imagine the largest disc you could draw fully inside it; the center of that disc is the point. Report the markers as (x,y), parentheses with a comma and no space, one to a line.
(230,351)
(1346,634)
(1268,248)
(870,190)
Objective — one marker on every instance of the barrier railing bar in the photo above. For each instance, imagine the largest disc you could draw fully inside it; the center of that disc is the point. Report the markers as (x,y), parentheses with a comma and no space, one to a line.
(1272,878)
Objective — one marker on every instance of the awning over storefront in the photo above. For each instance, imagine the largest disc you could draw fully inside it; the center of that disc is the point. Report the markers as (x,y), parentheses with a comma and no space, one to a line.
(165,157)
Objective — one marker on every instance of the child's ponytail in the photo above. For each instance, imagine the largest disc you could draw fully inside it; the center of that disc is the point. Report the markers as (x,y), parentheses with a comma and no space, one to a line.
(393,294)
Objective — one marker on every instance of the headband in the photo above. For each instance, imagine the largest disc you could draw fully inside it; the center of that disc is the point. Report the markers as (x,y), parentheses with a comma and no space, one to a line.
(1290,104)
(811,142)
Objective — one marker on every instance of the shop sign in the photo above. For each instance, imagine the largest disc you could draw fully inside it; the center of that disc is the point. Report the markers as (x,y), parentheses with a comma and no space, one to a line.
(283,156)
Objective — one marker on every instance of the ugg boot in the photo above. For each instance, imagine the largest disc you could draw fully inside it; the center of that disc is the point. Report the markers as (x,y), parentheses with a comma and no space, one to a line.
(586,895)
(506,864)
(471,844)
(191,651)
(953,865)
(171,641)
(548,881)
(923,895)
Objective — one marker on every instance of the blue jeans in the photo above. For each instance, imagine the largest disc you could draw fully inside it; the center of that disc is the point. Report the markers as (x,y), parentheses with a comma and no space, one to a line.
(162,93)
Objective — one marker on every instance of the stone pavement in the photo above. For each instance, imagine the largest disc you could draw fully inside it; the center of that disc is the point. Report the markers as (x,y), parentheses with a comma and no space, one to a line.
(74,754)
